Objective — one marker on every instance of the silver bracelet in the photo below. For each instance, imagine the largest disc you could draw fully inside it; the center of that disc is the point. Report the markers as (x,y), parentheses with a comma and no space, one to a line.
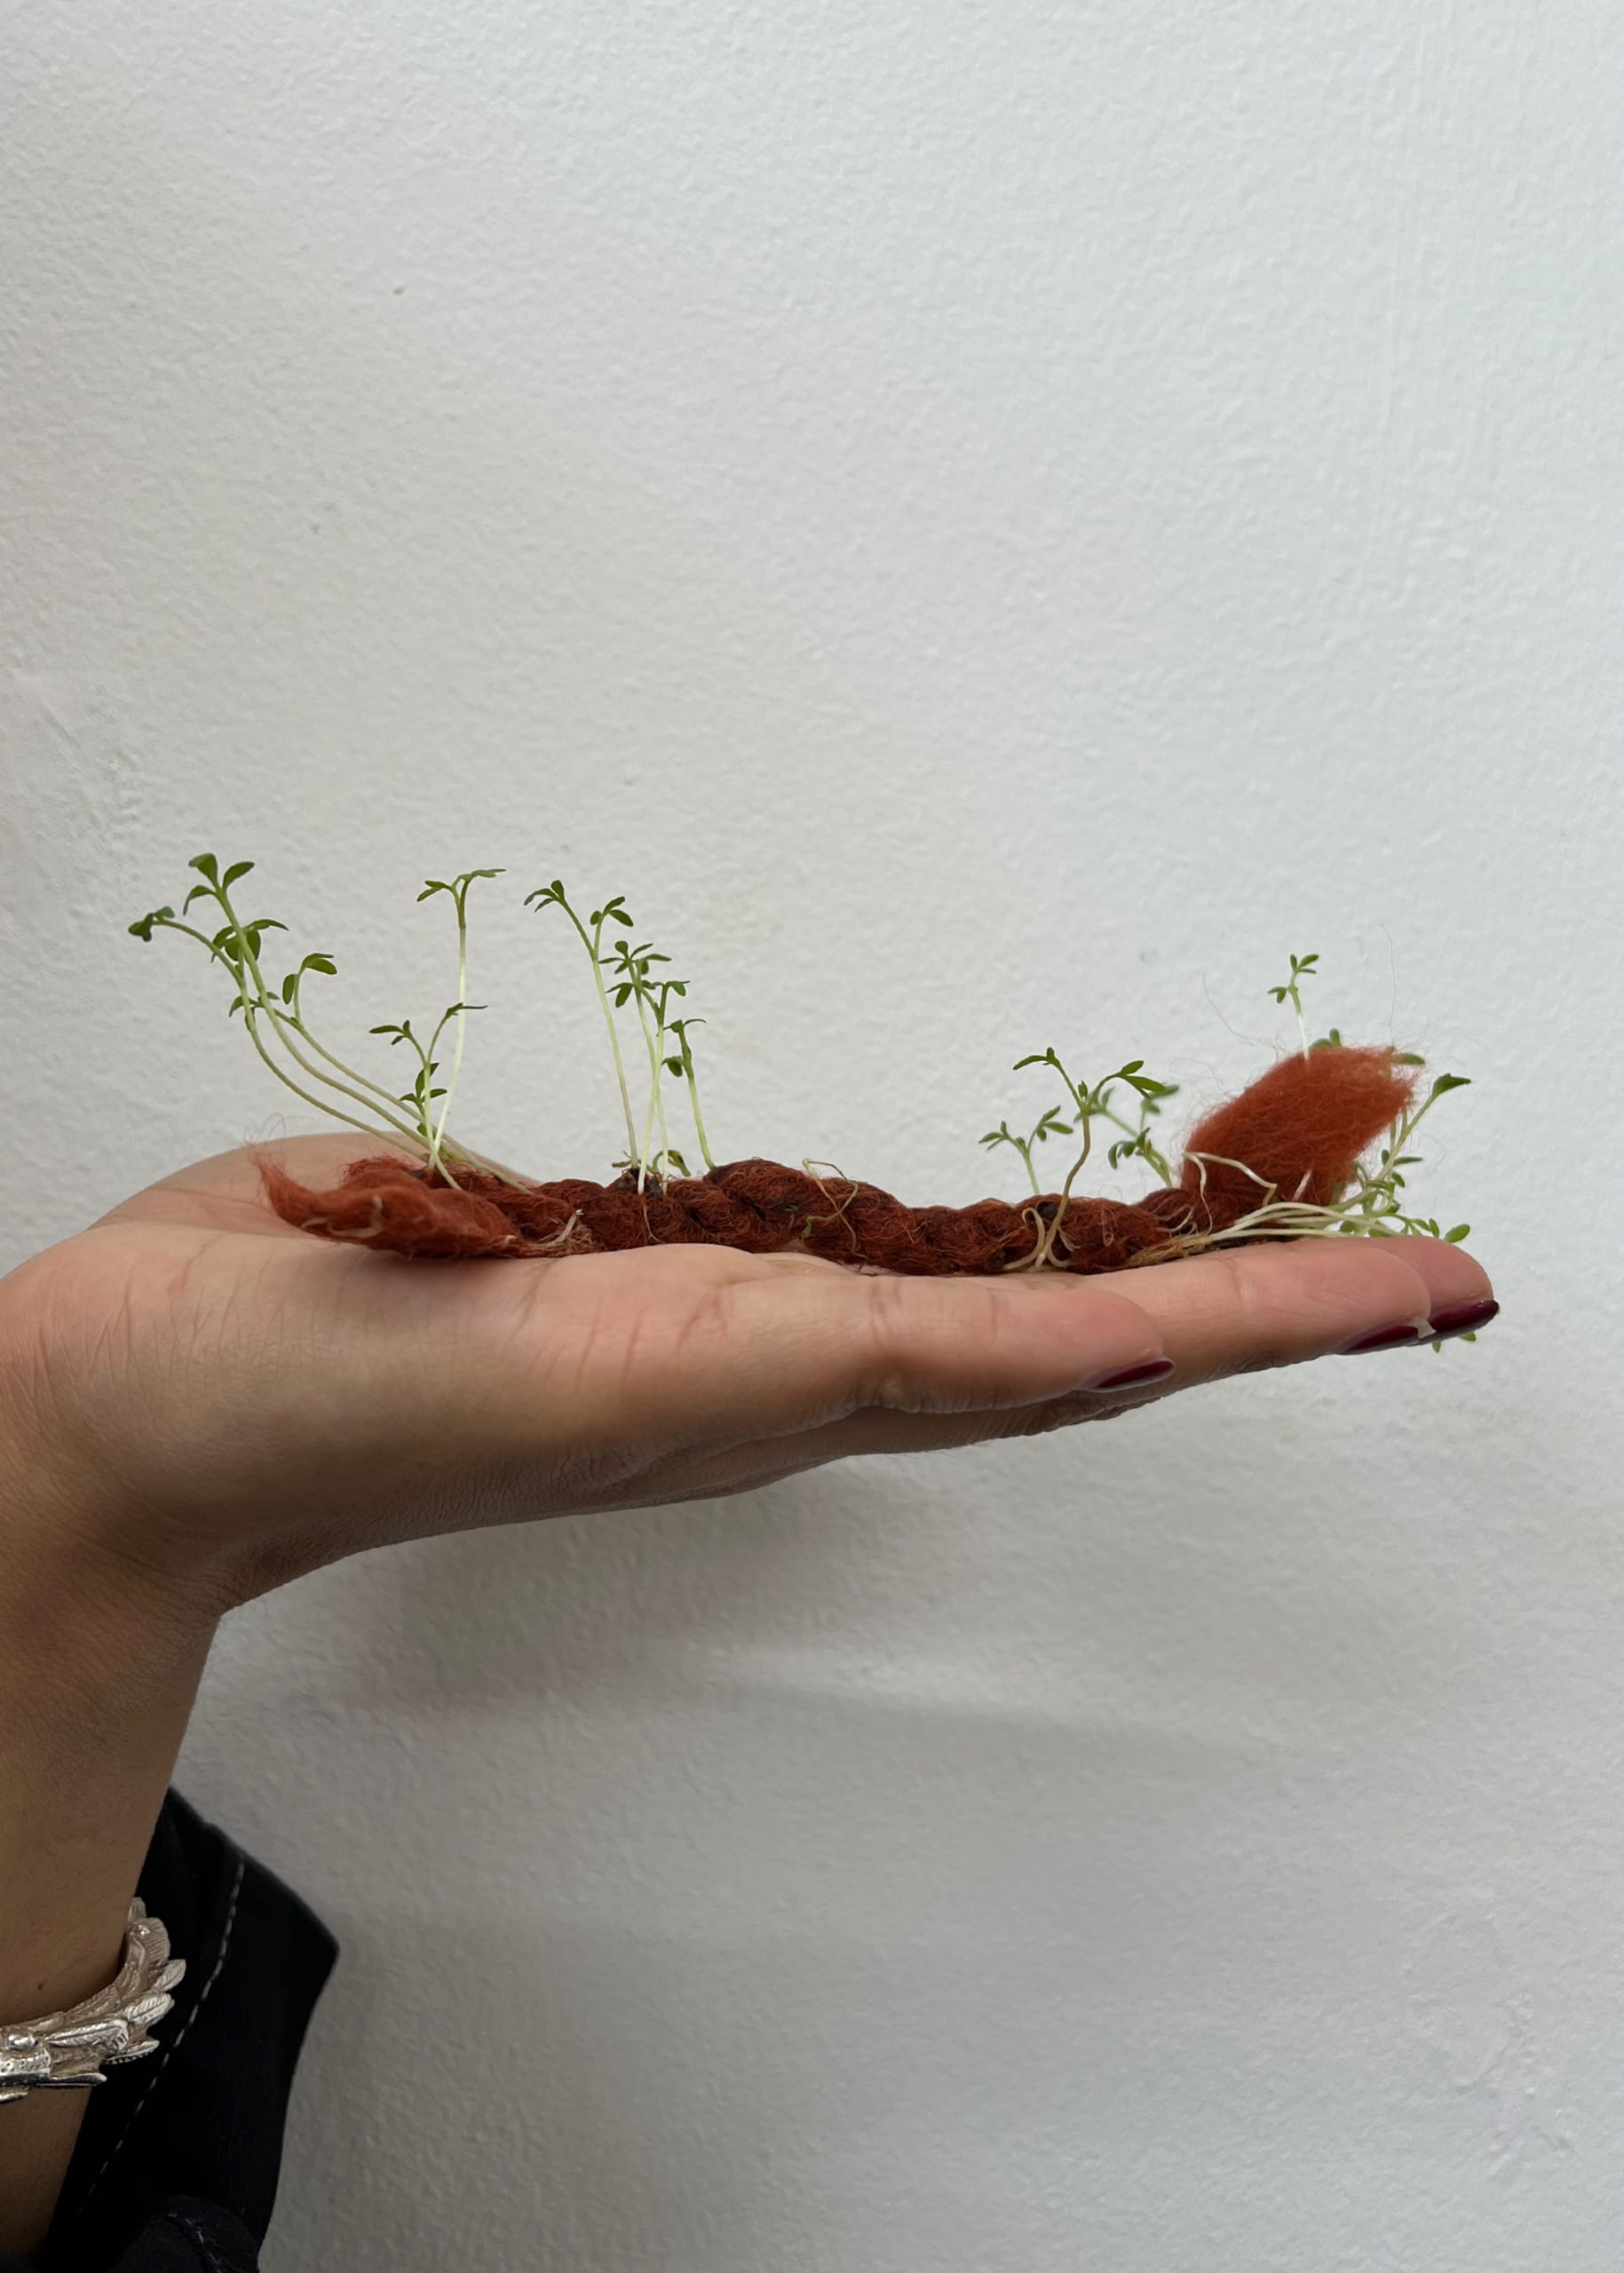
(68,2051)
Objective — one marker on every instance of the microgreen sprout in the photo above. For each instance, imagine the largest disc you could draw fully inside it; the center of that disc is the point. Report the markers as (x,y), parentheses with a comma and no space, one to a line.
(631,967)
(682,1065)
(275,1017)
(1372,1204)
(630,981)
(1302,967)
(1091,1102)
(457,892)
(612,911)
(1050,1125)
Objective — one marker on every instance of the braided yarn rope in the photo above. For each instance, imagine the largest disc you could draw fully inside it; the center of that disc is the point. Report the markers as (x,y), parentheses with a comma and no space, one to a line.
(1295,1133)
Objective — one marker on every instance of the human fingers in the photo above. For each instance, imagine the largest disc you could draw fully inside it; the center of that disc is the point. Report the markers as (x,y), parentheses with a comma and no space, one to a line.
(1243,1309)
(694,1348)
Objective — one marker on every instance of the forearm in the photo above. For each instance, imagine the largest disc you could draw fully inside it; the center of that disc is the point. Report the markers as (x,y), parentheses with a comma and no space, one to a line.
(98,1668)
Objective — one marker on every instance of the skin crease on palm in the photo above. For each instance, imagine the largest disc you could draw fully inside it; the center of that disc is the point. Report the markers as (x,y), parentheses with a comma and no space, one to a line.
(233,1402)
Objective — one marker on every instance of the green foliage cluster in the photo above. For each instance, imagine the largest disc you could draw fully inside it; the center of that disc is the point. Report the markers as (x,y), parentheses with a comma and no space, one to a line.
(416,1118)
(281,1030)
(634,978)
(1374,1203)
(629,968)
(1373,1206)
(1087,1102)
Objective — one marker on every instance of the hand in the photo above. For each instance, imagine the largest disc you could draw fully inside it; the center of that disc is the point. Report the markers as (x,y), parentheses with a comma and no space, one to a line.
(232,1402)
(197,1402)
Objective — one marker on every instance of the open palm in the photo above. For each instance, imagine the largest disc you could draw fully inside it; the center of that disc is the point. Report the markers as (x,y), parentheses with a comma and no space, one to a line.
(239,1398)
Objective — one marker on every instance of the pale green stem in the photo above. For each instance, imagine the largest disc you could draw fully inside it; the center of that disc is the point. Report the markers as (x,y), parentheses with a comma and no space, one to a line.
(380,1103)
(249,967)
(250,962)
(451,1147)
(379,1099)
(462,1027)
(656,1107)
(689,1075)
(660,1035)
(1051,1230)
(402,1135)
(699,1125)
(592,945)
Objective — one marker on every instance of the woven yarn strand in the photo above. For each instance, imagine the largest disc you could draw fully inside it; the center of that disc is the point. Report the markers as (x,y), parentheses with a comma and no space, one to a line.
(1296,1134)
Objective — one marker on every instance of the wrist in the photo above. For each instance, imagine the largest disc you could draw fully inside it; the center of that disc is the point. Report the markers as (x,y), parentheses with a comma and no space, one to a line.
(100,1664)
(98,1667)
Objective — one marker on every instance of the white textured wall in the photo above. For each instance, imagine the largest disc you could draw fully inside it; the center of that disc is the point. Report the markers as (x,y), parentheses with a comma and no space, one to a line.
(994,521)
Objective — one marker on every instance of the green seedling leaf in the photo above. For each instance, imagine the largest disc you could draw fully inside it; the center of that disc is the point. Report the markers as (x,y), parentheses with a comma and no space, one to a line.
(1447,1082)
(142,926)
(206,865)
(1460,1231)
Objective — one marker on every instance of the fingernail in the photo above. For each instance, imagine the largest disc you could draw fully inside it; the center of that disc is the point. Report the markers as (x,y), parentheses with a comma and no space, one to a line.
(1404,1336)
(1153,1369)
(1462,1318)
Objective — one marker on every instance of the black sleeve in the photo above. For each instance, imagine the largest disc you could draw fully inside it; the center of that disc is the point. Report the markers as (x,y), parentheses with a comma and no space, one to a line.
(177,2162)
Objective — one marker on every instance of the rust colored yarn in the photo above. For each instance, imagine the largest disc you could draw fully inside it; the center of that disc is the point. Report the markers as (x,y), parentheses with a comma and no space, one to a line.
(1299,1129)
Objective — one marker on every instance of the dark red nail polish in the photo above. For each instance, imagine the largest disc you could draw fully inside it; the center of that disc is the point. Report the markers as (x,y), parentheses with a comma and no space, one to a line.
(1462,1318)
(1404,1336)
(1153,1369)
